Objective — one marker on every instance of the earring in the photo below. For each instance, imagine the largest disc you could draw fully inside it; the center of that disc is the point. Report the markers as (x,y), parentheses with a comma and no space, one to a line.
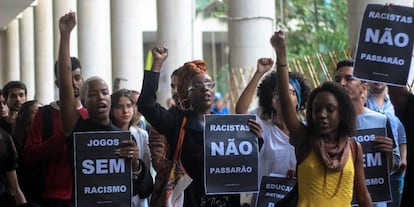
(184,106)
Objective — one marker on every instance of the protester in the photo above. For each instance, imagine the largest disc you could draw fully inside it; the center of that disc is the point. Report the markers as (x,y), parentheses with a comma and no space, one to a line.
(379,101)
(158,142)
(403,102)
(277,155)
(327,175)
(10,192)
(122,113)
(15,93)
(23,123)
(46,146)
(366,118)
(95,96)
(196,91)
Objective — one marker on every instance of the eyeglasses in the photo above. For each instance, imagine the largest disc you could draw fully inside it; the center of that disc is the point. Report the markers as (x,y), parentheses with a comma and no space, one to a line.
(292,92)
(199,86)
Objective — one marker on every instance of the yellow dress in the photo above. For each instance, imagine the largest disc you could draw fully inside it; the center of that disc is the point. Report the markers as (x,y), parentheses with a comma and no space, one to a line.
(313,192)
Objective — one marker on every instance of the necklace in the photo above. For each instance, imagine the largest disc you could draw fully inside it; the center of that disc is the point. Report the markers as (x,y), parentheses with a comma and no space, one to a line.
(338,184)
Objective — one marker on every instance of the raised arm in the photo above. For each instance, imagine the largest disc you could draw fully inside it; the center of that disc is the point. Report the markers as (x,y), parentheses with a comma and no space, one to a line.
(295,127)
(160,54)
(68,113)
(153,112)
(246,97)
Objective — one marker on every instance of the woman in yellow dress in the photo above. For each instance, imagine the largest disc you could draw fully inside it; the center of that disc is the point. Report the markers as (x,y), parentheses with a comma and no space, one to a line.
(327,173)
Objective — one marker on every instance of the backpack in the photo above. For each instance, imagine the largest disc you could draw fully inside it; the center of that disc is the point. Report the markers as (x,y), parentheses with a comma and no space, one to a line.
(35,178)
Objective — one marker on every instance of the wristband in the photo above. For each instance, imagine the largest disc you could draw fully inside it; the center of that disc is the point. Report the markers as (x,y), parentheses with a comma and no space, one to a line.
(281,65)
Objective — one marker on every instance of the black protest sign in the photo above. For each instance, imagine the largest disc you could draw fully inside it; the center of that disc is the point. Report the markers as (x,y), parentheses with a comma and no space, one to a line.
(273,189)
(375,165)
(385,44)
(101,177)
(230,155)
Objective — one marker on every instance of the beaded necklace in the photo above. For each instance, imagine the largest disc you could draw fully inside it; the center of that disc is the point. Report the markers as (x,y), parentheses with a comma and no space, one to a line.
(338,184)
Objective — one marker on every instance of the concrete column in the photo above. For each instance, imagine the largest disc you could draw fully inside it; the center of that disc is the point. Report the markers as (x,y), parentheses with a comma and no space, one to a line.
(44,51)
(356,10)
(27,61)
(175,29)
(3,57)
(250,26)
(60,8)
(12,70)
(127,44)
(94,35)
(198,41)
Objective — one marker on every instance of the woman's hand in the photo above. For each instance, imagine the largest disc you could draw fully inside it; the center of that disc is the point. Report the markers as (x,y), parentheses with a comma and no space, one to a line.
(279,44)
(160,54)
(264,65)
(129,150)
(255,127)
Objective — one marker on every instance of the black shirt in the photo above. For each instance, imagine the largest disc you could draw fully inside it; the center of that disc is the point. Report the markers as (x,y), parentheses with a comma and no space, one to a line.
(8,158)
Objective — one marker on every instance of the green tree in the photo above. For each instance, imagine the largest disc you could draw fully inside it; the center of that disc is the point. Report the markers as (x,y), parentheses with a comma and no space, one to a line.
(317,35)
(315,26)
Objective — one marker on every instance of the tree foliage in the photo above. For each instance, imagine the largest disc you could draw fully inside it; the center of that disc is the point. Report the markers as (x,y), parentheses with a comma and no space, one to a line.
(314,26)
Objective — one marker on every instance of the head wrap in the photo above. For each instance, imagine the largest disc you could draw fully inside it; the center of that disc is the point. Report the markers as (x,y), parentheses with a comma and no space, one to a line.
(296,85)
(186,72)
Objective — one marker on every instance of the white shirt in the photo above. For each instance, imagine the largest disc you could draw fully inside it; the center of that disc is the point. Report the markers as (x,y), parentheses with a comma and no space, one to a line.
(141,138)
(277,155)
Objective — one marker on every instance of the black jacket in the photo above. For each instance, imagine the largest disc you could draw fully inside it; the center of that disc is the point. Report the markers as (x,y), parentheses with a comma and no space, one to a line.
(168,122)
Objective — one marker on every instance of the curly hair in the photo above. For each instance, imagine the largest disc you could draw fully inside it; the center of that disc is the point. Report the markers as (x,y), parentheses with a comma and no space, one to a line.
(267,87)
(347,115)
(185,73)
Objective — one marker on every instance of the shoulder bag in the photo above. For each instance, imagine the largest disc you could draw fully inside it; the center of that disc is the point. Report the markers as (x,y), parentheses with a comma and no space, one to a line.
(172,180)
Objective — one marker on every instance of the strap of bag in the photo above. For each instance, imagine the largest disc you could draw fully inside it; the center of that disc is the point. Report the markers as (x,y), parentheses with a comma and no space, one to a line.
(47,121)
(354,150)
(178,148)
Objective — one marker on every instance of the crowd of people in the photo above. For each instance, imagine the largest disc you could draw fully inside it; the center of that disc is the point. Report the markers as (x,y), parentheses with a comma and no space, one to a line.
(301,132)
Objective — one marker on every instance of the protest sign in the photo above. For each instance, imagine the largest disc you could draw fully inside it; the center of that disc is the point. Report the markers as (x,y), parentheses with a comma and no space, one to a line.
(273,189)
(375,165)
(385,44)
(101,178)
(230,155)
